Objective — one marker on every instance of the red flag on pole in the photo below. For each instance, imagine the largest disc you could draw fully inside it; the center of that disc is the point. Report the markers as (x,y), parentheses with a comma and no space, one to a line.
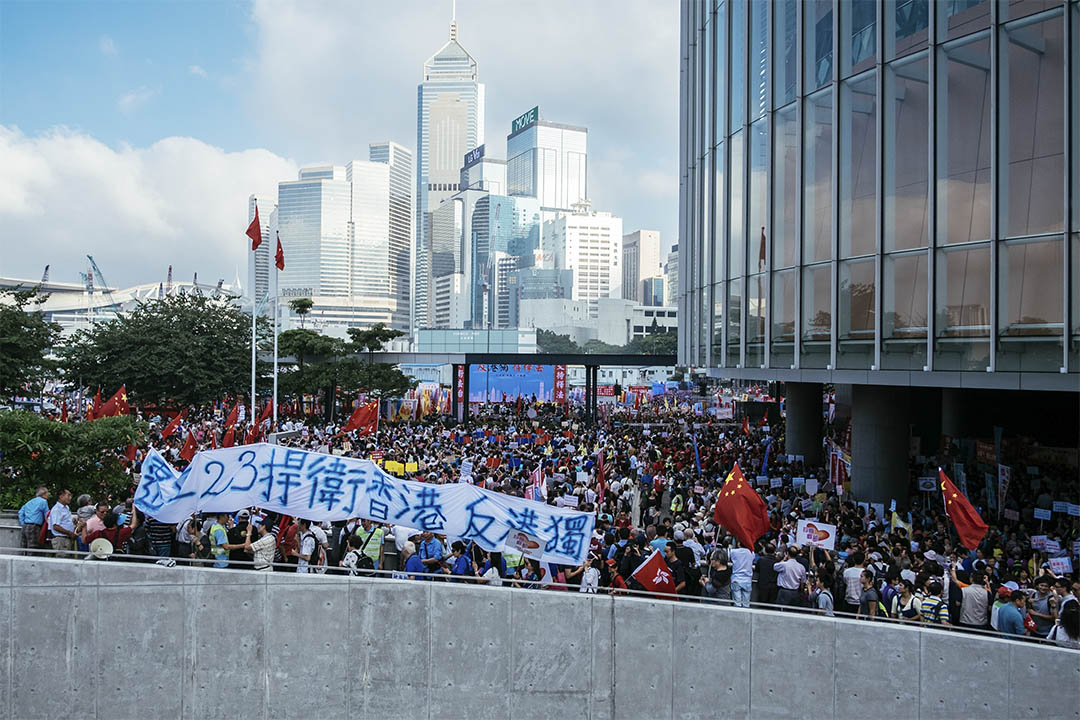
(234,415)
(254,231)
(365,419)
(266,412)
(969,526)
(740,510)
(655,575)
(173,424)
(764,419)
(63,412)
(116,405)
(230,438)
(213,440)
(130,454)
(188,451)
(279,257)
(93,413)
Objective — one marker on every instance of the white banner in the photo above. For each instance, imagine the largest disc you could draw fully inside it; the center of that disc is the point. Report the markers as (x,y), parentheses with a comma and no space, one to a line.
(818,534)
(326,487)
(726,409)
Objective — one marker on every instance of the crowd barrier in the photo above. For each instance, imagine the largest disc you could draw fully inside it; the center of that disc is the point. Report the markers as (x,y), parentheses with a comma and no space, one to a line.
(115,640)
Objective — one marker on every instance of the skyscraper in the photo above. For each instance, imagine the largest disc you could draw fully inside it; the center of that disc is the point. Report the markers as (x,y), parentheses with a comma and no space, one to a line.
(449,123)
(346,231)
(641,260)
(590,244)
(547,161)
(399,238)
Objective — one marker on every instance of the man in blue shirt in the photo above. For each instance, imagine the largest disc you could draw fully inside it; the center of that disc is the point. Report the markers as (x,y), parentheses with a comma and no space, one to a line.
(412,562)
(32,517)
(430,552)
(1010,617)
(742,574)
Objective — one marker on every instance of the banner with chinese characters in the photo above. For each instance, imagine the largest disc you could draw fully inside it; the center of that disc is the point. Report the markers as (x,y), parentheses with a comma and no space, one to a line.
(328,487)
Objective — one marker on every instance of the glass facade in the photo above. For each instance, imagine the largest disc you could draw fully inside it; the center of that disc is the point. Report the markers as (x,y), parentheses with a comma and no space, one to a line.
(881,185)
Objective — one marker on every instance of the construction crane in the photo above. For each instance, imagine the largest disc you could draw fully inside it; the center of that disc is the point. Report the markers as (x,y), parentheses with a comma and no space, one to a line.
(45,275)
(101,277)
(168,282)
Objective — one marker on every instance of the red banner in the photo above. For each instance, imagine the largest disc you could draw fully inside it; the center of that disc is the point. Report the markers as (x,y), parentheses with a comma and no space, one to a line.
(460,392)
(560,384)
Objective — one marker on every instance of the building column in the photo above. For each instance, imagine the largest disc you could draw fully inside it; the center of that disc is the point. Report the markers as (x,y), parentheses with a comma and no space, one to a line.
(879,443)
(925,404)
(802,406)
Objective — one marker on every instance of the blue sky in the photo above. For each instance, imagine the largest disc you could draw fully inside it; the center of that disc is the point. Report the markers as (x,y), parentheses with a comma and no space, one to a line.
(136,130)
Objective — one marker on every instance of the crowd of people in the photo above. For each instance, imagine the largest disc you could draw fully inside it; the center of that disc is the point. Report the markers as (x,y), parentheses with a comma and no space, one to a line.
(662,471)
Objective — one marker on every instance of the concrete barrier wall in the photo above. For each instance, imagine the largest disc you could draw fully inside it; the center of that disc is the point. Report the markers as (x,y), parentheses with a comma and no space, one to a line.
(115,640)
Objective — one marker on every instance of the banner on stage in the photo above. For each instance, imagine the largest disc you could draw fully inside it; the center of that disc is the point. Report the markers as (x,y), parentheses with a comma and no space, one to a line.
(815,533)
(325,487)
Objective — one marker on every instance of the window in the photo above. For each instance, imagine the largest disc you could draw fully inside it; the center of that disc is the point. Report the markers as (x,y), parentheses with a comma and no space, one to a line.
(817,172)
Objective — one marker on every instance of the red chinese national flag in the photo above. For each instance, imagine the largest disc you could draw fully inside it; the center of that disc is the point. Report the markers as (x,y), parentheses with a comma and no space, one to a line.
(254,231)
(655,575)
(173,424)
(740,510)
(213,440)
(188,451)
(93,413)
(969,526)
(279,256)
(266,412)
(234,415)
(230,438)
(116,405)
(365,419)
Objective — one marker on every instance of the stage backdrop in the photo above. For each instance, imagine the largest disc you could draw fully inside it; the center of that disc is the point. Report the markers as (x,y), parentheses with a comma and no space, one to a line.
(504,383)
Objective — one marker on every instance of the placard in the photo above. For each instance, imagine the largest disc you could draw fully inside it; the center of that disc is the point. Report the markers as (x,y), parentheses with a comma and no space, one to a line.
(1053,546)
(761,480)
(1061,565)
(807,505)
(815,533)
(1011,514)
(811,486)
(466,468)
(699,489)
(1042,514)
(776,482)
(1060,506)
(1074,510)
(927,484)
(1076,548)
(1038,542)
(800,482)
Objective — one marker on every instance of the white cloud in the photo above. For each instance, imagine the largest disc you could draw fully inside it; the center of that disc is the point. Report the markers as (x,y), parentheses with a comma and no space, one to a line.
(197,71)
(614,71)
(107,46)
(64,195)
(131,101)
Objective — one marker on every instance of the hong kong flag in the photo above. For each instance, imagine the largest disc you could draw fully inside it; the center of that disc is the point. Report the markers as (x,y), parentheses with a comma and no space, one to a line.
(655,575)
(279,256)
(188,451)
(254,231)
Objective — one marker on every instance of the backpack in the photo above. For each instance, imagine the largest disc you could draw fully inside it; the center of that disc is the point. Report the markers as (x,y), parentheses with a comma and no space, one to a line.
(316,558)
(138,543)
(44,534)
(888,600)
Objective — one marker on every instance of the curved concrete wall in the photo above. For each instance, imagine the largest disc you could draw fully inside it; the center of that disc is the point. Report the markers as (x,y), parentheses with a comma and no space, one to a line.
(113,640)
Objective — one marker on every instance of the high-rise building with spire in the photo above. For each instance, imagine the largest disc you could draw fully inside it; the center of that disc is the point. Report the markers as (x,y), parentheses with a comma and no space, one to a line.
(449,123)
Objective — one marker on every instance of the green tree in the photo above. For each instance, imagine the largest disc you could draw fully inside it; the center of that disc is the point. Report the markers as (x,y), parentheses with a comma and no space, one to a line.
(26,341)
(548,341)
(660,343)
(372,339)
(301,306)
(86,457)
(179,350)
(599,347)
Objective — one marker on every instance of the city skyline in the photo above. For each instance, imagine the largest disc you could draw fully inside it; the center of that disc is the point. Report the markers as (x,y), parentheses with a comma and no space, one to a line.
(160,144)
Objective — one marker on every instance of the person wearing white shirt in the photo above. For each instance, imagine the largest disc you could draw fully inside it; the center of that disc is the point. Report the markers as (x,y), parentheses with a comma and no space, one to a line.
(61,525)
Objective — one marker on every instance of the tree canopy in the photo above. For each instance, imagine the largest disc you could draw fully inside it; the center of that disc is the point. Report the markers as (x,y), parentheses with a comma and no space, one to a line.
(26,341)
(655,343)
(83,457)
(180,349)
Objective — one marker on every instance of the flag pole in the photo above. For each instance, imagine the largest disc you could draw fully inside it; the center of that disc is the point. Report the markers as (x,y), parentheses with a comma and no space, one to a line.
(254,310)
(275,400)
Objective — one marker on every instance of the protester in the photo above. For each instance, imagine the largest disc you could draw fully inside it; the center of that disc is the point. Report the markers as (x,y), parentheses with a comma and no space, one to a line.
(61,524)
(32,517)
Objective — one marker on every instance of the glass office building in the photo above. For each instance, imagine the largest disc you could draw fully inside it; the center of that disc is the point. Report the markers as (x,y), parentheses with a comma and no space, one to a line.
(881,192)
(880,185)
